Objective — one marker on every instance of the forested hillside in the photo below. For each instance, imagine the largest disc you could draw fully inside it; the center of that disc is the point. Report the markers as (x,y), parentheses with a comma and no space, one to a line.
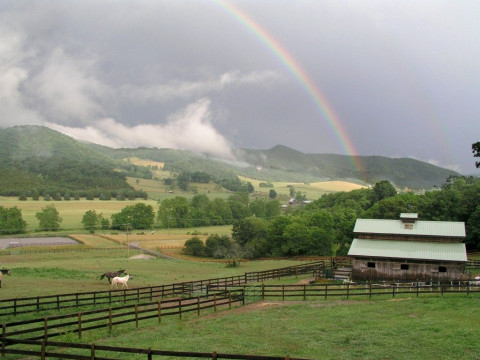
(40,158)
(34,158)
(295,165)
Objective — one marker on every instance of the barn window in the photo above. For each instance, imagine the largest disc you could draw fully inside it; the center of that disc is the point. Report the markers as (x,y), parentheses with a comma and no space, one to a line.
(371,264)
(442,269)
(404,267)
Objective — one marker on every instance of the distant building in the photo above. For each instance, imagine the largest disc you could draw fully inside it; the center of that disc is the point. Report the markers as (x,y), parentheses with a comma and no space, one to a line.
(408,249)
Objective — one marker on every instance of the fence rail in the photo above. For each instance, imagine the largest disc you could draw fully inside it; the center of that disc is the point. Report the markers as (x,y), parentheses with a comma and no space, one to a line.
(17,306)
(48,327)
(98,352)
(325,291)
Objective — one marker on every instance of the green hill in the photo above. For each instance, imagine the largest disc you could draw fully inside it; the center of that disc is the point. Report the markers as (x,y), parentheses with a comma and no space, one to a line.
(297,166)
(36,157)
(41,158)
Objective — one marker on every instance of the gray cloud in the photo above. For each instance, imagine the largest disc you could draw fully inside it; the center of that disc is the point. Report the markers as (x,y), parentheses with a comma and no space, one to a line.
(402,77)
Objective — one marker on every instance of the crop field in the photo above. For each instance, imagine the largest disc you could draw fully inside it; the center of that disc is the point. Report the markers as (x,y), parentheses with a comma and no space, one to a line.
(313,191)
(70,211)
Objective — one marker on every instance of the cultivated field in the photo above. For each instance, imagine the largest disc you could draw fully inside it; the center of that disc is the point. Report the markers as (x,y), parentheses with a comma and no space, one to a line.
(70,211)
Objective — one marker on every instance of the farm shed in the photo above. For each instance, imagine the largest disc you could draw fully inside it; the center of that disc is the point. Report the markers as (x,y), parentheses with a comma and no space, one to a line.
(408,249)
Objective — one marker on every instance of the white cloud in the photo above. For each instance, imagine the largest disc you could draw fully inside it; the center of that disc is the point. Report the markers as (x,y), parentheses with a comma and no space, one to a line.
(189,129)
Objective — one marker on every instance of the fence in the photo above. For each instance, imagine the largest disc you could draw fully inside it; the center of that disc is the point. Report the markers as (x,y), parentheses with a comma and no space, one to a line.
(26,305)
(92,351)
(47,327)
(325,291)
(472,265)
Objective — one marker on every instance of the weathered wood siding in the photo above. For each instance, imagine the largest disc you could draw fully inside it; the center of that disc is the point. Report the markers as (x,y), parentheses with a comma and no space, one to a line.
(386,269)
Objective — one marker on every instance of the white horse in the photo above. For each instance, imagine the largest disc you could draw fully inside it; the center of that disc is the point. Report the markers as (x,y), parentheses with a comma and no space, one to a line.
(120,280)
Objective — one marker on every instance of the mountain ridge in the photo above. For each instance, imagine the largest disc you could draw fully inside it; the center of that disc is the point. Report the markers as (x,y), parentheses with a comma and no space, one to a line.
(26,148)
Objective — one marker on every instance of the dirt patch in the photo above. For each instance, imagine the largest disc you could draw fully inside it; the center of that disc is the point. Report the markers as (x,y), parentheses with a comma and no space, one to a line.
(142,257)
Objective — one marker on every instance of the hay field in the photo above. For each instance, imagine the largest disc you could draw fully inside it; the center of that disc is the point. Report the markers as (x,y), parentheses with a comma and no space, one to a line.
(312,190)
(70,211)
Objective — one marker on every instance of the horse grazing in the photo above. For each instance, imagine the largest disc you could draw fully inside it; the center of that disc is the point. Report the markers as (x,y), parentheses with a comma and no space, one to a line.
(121,280)
(3,271)
(111,274)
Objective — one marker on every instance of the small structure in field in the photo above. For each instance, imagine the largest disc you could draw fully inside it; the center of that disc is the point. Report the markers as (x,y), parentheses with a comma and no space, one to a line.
(408,249)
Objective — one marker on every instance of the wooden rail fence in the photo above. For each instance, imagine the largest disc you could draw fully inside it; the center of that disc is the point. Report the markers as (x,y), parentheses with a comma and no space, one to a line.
(348,290)
(48,327)
(99,352)
(17,306)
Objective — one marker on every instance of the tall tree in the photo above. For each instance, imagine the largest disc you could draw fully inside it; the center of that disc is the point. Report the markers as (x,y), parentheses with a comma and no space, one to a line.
(49,219)
(11,221)
(476,153)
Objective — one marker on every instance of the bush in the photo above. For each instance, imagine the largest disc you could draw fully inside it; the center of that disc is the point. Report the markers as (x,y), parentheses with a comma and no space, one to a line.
(194,247)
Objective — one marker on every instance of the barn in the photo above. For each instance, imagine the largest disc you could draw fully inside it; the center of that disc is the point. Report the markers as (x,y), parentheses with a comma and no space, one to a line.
(408,249)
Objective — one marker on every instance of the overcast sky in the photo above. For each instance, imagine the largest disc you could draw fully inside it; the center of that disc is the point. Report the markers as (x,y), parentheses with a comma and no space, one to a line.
(401,78)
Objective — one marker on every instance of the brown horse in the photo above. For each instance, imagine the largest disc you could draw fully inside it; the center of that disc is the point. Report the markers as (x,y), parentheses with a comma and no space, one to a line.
(111,274)
(3,271)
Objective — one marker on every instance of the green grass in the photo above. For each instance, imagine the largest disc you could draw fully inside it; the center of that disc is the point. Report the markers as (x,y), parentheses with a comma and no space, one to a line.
(406,328)
(68,272)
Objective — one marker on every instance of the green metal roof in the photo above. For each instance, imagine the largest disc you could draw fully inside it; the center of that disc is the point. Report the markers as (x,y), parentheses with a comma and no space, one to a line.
(408,250)
(419,227)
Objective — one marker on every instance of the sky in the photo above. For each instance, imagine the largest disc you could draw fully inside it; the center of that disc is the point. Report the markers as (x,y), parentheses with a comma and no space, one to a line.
(389,78)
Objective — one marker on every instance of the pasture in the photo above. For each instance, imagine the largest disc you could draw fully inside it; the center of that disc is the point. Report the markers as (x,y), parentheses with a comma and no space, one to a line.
(35,274)
(400,328)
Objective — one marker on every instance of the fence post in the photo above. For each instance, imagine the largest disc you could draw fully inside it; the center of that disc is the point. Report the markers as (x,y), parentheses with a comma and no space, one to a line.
(15,307)
(79,325)
(42,350)
(468,286)
(45,328)
(229,299)
(151,295)
(243,296)
(198,306)
(159,311)
(4,337)
(180,307)
(92,351)
(304,292)
(348,290)
(214,355)
(58,302)
(136,316)
(94,299)
(110,319)
(263,291)
(38,304)
(417,287)
(283,291)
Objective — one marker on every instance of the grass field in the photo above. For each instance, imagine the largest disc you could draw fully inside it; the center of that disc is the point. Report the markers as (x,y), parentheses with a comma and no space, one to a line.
(70,211)
(405,327)
(52,273)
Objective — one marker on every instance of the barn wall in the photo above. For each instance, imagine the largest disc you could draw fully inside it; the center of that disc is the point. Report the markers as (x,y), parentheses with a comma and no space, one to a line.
(391,270)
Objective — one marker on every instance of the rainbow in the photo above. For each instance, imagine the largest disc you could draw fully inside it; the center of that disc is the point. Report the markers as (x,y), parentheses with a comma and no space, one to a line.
(301,75)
